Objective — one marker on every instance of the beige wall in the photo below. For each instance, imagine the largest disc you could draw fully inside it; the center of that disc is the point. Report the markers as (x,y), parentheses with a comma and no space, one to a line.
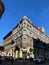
(22,35)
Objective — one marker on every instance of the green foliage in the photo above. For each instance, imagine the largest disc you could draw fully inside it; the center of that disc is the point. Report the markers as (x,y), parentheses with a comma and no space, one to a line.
(28,54)
(31,49)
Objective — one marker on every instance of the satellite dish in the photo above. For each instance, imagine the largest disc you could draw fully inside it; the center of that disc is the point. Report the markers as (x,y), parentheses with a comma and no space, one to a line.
(1,8)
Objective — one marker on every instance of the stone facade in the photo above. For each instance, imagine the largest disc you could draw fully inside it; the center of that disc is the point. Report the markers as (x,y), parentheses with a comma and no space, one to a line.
(23,37)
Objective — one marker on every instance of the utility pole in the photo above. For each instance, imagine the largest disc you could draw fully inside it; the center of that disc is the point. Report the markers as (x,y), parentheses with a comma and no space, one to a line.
(2,8)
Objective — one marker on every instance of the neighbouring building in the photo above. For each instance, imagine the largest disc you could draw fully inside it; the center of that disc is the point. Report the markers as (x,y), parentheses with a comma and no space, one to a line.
(1,49)
(26,40)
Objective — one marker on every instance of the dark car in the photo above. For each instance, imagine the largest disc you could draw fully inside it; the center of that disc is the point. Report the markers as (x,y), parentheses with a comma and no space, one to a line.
(0,59)
(9,58)
(39,60)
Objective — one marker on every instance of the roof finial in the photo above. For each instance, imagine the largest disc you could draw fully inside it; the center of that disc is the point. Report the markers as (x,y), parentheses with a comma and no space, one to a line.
(25,17)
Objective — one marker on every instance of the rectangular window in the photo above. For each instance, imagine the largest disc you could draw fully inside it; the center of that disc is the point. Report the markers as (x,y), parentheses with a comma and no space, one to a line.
(27,25)
(24,32)
(30,26)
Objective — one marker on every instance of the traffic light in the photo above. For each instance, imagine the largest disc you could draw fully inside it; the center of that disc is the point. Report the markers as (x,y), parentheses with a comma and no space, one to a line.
(1,8)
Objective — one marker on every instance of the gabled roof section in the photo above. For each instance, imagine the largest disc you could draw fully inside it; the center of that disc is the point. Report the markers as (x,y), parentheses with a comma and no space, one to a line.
(24,18)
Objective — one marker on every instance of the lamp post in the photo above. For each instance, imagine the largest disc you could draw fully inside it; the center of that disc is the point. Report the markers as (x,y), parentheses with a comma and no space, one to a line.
(1,8)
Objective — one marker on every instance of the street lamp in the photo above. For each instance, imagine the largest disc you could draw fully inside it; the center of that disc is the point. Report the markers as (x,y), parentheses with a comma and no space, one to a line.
(1,8)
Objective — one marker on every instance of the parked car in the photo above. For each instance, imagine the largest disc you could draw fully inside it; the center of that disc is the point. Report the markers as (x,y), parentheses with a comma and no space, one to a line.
(9,58)
(39,60)
(0,59)
(47,57)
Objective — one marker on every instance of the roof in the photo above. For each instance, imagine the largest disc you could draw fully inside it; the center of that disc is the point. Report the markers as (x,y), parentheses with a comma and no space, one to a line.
(24,18)
(8,35)
(15,26)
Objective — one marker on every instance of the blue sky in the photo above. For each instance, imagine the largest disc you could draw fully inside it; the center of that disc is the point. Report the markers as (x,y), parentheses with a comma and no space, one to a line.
(36,10)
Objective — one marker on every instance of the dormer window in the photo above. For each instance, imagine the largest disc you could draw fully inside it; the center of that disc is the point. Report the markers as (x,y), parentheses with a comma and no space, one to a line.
(24,30)
(25,38)
(24,24)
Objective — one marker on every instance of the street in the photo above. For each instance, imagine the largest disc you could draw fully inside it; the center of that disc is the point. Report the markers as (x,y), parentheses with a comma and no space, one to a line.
(22,62)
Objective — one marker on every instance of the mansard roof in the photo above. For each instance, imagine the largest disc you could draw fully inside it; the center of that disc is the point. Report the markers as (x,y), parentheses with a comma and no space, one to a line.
(25,18)
(8,35)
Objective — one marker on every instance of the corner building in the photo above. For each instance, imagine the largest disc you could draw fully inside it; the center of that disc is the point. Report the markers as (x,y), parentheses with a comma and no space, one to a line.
(26,40)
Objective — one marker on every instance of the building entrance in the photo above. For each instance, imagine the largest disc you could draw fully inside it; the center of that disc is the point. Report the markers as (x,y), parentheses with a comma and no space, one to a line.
(24,55)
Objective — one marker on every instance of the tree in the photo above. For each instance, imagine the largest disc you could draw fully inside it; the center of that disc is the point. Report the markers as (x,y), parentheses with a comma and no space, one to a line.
(1,8)
(31,49)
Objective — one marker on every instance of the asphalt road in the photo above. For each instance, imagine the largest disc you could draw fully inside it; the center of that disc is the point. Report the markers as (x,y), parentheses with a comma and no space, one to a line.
(22,62)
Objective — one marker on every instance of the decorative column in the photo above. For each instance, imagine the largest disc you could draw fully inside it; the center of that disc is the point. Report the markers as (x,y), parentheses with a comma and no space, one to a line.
(20,52)
(16,54)
(28,52)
